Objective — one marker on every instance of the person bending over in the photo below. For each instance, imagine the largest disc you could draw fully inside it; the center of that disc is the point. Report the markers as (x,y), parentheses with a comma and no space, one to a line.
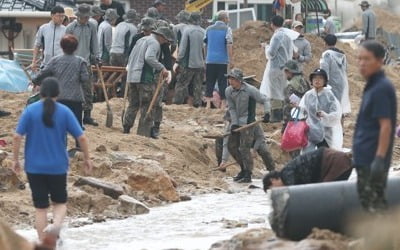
(321,165)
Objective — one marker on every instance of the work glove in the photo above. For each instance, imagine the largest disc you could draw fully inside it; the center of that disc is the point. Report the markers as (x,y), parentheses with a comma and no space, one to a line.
(233,128)
(169,77)
(266,118)
(377,168)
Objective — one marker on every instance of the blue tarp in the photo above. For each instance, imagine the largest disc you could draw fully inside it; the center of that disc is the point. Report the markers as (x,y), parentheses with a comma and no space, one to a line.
(12,77)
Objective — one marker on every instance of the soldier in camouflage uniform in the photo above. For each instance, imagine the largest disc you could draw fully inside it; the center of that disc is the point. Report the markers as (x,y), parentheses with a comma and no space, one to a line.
(143,68)
(297,85)
(166,60)
(259,145)
(191,59)
(242,99)
(88,49)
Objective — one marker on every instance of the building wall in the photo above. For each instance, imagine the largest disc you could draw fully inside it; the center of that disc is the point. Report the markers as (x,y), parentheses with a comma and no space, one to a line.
(173,8)
(26,38)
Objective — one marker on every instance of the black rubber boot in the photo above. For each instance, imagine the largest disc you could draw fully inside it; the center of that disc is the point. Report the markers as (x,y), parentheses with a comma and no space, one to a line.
(153,133)
(246,178)
(127,130)
(240,176)
(155,130)
(87,119)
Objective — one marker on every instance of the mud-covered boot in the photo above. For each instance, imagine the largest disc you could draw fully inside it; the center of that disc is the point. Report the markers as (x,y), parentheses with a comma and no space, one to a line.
(246,178)
(276,115)
(155,130)
(127,130)
(239,176)
(87,119)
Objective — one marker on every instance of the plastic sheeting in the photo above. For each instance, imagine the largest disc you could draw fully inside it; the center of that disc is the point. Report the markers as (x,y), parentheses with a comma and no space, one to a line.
(12,77)
(327,127)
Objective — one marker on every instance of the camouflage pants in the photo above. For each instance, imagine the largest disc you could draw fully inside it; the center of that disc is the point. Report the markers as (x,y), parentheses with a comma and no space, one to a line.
(118,60)
(239,145)
(188,77)
(88,91)
(140,96)
(158,111)
(371,192)
(261,147)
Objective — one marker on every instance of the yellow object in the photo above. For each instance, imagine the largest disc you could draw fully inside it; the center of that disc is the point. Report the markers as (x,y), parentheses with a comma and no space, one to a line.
(196,5)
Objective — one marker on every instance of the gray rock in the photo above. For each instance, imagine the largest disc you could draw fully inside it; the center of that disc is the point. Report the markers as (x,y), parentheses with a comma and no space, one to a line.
(3,155)
(234,224)
(129,205)
(110,189)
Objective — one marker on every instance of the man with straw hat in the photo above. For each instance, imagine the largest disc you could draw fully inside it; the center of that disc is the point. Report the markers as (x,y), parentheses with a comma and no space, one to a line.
(303,54)
(368,20)
(48,38)
(123,35)
(98,14)
(191,59)
(104,35)
(69,16)
(88,49)
(143,68)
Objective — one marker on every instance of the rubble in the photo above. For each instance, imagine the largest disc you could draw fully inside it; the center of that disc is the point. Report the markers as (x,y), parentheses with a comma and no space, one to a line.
(149,177)
(110,189)
(131,206)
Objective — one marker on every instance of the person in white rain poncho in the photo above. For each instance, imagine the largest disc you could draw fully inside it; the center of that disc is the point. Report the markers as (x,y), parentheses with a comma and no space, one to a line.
(278,53)
(334,62)
(323,114)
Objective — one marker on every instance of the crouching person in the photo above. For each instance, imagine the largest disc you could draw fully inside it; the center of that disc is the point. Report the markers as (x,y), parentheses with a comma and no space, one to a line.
(46,124)
(242,98)
(321,165)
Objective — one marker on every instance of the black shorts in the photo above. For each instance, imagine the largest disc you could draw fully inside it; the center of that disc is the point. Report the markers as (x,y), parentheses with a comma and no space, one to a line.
(43,185)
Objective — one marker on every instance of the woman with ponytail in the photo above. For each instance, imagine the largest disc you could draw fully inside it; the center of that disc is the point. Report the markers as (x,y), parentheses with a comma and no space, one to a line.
(46,124)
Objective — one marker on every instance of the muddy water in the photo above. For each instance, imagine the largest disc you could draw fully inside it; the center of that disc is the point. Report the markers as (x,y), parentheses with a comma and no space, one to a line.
(195,224)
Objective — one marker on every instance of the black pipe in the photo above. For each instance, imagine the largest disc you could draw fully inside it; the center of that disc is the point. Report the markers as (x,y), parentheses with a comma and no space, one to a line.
(298,209)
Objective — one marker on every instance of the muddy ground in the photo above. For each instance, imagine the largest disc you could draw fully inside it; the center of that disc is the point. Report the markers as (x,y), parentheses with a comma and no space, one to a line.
(181,151)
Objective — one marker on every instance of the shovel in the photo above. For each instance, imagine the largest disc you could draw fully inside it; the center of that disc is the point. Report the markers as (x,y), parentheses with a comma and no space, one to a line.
(124,105)
(109,119)
(155,96)
(250,125)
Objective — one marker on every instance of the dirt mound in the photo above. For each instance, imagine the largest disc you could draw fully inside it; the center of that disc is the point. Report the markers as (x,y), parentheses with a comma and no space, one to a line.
(386,20)
(247,52)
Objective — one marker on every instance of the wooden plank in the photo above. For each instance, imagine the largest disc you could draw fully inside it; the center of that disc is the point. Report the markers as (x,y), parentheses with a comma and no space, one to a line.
(110,69)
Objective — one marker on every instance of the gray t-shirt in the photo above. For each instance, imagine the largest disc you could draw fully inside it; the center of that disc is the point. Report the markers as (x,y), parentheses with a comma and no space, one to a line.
(87,37)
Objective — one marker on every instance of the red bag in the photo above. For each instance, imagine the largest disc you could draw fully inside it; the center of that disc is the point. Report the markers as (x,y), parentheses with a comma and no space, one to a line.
(295,136)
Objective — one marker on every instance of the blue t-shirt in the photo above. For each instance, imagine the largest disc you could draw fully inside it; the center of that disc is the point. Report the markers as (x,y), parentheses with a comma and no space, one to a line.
(46,148)
(379,101)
